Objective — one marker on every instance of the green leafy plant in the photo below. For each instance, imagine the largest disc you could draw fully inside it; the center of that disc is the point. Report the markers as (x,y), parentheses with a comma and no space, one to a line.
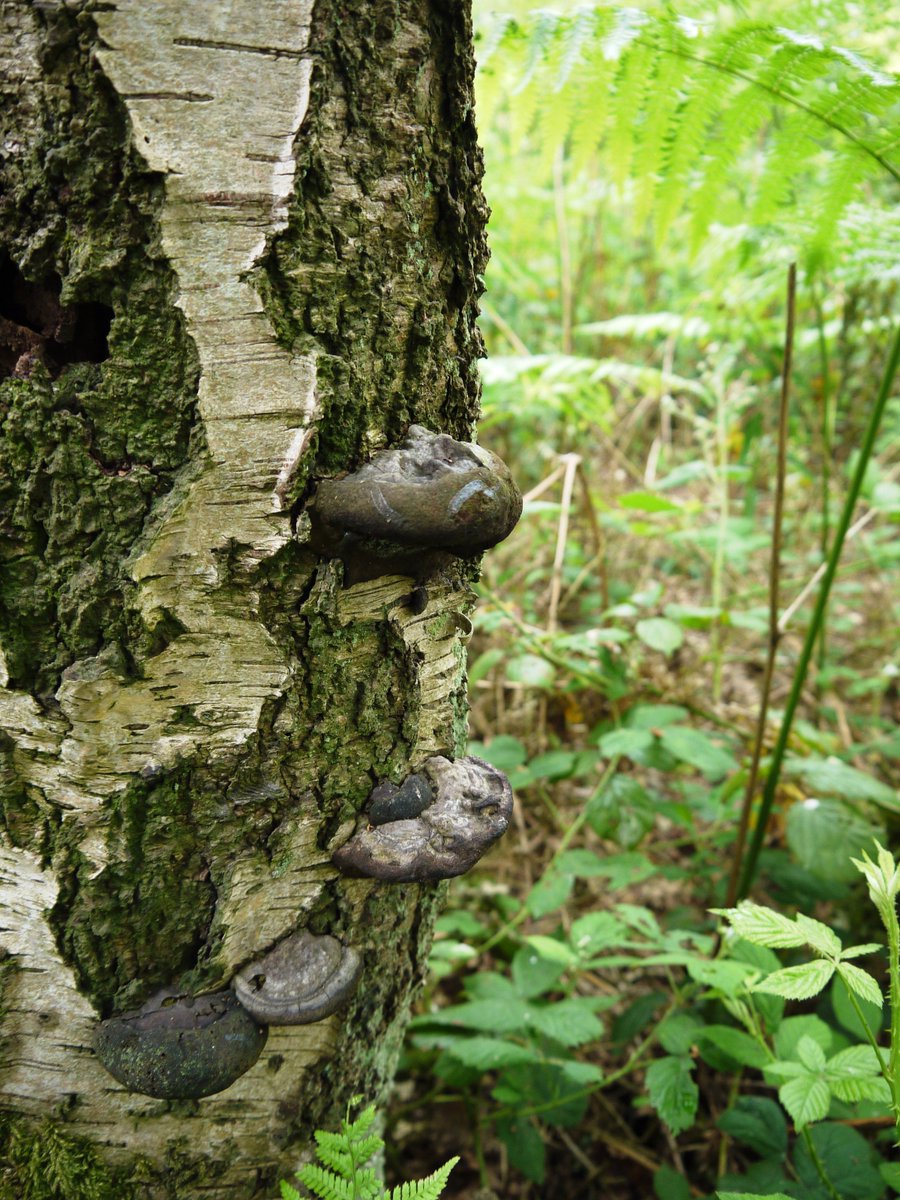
(343,1173)
(858,1072)
(674,101)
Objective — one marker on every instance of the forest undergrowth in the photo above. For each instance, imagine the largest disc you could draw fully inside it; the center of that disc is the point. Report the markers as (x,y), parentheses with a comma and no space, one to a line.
(685,657)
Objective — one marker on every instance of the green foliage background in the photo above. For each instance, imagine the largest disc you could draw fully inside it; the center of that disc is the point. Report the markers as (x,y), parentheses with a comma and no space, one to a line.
(652,173)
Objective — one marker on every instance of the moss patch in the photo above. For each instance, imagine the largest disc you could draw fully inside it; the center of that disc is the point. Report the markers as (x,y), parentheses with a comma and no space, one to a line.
(85,450)
(40,1161)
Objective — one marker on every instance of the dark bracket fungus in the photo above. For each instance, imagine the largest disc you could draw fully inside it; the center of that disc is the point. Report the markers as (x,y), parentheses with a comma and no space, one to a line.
(178,1047)
(431,492)
(388,802)
(305,978)
(471,810)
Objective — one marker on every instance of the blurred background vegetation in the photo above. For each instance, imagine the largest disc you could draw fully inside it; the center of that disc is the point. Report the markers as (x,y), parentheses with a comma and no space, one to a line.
(652,176)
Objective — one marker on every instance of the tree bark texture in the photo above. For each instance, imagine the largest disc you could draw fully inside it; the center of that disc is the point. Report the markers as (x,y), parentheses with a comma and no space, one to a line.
(240,246)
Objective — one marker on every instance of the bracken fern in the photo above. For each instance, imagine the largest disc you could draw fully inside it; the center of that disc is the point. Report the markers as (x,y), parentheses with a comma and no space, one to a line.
(673,102)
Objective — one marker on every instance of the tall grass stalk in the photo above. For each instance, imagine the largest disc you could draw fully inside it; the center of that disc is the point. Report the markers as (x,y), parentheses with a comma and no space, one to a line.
(768,797)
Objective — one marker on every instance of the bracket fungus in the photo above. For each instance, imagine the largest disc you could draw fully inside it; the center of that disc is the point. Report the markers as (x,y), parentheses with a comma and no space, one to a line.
(470,811)
(305,978)
(178,1047)
(388,802)
(432,491)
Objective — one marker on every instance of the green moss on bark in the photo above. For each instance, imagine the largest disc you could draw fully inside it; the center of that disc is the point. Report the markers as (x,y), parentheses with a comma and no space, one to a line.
(392,320)
(40,1161)
(85,451)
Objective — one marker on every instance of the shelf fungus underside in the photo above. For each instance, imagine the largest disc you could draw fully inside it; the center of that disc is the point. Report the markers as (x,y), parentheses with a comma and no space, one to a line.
(432,492)
(470,811)
(178,1047)
(305,978)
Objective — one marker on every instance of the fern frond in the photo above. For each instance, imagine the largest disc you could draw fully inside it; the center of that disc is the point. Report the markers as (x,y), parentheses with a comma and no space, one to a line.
(333,1151)
(674,103)
(361,1126)
(845,173)
(593,82)
(288,1192)
(631,86)
(424,1189)
(325,1184)
(653,144)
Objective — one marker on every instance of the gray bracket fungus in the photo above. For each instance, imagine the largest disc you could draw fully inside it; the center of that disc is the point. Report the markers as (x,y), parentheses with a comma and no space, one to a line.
(470,811)
(305,978)
(178,1047)
(432,491)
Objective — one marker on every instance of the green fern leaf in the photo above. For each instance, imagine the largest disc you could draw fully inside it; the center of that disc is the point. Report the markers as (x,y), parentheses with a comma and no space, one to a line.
(746,113)
(288,1192)
(353,1130)
(652,145)
(793,145)
(325,1185)
(580,35)
(424,1189)
(678,102)
(593,83)
(841,180)
(636,66)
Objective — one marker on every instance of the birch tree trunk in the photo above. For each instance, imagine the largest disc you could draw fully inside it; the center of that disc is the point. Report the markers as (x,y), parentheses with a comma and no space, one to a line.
(240,245)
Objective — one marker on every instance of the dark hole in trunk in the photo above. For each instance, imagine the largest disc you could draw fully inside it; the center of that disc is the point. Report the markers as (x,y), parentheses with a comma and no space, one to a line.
(35,326)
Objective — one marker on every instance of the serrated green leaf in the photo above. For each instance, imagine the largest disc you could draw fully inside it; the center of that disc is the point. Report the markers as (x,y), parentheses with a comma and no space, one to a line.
(678,1032)
(673,1092)
(594,932)
(819,936)
(860,951)
(806,1099)
(870,1087)
(489,1054)
(834,777)
(797,983)
(626,742)
(860,982)
(825,834)
(697,750)
(549,893)
(568,1022)
(791,1030)
(659,633)
(668,1184)
(555,764)
(736,1044)
(503,752)
(751,1196)
(811,1054)
(581,1073)
(531,670)
(525,1147)
(654,716)
(726,976)
(759,1123)
(532,973)
(848,1159)
(501,1015)
(552,949)
(762,926)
